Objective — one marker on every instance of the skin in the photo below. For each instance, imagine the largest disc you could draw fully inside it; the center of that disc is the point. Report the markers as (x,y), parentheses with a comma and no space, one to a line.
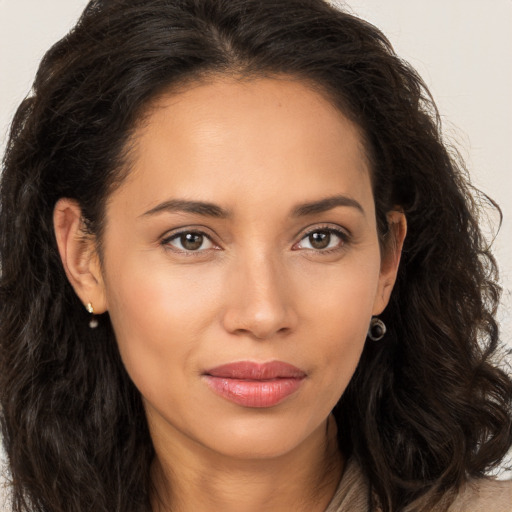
(255,289)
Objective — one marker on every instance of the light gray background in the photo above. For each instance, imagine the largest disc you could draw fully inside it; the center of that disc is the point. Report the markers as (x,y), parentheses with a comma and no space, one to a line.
(462,48)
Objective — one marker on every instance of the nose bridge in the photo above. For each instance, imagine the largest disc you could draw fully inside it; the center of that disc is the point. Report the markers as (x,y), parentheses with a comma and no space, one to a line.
(259,302)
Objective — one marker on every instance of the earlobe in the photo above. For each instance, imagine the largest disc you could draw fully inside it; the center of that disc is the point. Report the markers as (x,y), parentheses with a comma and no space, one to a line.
(390,260)
(78,254)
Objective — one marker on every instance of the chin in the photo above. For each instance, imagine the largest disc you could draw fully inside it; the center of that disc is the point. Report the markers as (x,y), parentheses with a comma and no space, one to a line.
(265,437)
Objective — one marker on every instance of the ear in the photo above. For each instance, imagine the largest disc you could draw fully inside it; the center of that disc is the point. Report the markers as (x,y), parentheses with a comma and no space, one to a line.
(78,253)
(390,259)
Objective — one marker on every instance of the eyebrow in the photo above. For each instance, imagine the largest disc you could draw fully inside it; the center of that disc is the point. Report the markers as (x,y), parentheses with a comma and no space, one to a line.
(326,204)
(181,205)
(212,210)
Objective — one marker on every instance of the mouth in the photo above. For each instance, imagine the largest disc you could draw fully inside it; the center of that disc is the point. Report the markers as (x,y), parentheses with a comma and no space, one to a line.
(257,385)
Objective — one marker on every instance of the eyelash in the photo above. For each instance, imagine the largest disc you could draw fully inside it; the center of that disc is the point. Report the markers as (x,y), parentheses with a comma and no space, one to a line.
(166,242)
(342,235)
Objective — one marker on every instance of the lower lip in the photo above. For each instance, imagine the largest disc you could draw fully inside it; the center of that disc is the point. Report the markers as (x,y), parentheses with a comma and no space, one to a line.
(254,393)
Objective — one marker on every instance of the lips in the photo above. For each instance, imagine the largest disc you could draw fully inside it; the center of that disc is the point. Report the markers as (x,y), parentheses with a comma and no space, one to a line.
(252,384)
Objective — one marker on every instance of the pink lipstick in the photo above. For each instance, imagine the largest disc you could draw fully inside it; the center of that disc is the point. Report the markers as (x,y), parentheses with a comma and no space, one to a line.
(255,384)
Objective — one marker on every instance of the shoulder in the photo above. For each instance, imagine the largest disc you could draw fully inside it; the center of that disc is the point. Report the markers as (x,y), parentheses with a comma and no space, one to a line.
(481,495)
(352,494)
(484,495)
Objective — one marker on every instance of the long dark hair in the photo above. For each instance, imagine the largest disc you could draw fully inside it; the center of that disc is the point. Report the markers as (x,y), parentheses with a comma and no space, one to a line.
(426,409)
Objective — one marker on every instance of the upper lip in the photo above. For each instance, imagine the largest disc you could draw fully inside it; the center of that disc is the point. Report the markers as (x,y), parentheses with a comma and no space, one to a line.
(249,370)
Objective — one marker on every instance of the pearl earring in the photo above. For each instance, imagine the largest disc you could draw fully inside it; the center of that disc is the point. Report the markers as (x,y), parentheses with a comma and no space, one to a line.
(93,322)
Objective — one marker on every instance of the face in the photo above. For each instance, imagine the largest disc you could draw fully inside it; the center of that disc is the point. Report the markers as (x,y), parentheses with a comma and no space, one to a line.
(241,264)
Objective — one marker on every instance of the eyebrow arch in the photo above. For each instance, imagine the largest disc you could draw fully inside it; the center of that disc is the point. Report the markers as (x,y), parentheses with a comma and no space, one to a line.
(324,205)
(181,205)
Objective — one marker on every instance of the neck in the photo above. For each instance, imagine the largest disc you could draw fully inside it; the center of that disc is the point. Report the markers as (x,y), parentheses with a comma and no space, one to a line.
(200,480)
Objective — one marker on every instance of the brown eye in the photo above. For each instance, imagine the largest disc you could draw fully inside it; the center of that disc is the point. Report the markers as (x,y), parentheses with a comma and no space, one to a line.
(190,241)
(320,239)
(323,239)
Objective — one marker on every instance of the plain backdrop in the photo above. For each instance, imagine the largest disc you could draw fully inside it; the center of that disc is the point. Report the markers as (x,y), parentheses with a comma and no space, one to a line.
(462,48)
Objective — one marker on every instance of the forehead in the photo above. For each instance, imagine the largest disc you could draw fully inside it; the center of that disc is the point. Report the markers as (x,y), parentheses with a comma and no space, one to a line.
(254,138)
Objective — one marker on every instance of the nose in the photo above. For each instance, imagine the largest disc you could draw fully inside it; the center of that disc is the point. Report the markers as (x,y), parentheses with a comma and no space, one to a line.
(259,299)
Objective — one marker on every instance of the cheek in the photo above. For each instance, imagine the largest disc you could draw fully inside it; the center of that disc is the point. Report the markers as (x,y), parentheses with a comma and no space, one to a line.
(337,309)
(340,298)
(159,314)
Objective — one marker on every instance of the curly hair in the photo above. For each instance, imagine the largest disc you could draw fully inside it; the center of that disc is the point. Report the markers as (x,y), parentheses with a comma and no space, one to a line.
(427,409)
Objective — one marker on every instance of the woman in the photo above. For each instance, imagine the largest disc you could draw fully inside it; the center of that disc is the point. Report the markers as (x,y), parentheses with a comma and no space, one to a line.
(240,271)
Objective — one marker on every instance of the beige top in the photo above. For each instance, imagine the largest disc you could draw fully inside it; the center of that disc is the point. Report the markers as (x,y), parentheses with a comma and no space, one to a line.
(486,495)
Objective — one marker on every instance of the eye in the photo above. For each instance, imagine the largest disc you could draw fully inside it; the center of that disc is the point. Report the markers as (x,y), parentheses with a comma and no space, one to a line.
(322,240)
(189,241)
